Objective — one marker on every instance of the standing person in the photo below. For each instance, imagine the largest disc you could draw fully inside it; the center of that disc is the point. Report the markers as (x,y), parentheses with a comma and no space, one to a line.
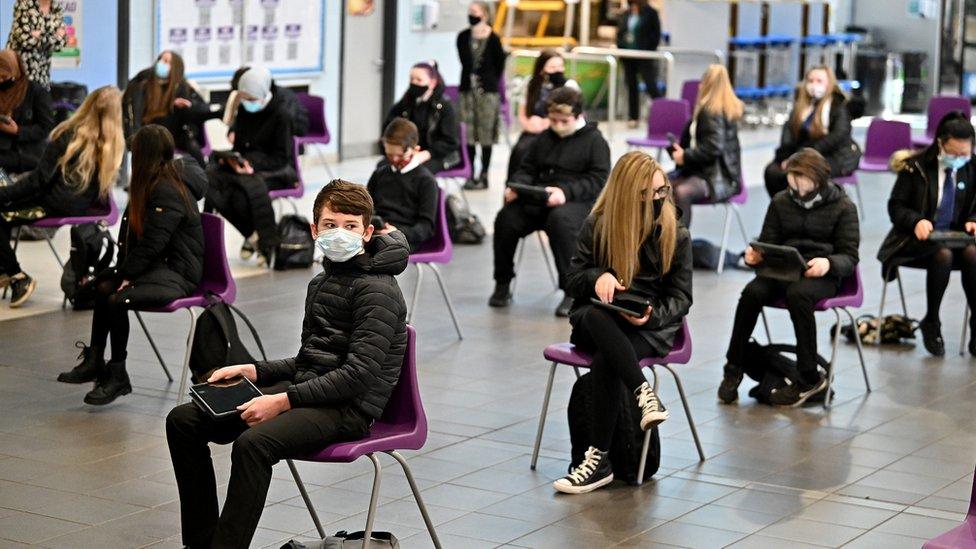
(631,242)
(160,258)
(708,157)
(819,120)
(75,175)
(161,95)
(36,33)
(482,64)
(935,191)
(424,104)
(548,74)
(639,28)
(26,116)
(816,217)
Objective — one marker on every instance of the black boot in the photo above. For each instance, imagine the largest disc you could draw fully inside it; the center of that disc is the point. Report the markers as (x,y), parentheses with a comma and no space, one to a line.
(728,390)
(502,296)
(113,385)
(92,362)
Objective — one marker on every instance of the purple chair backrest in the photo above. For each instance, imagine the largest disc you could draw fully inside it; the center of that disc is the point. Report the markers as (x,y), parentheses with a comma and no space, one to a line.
(405,409)
(668,116)
(851,286)
(885,137)
(217,277)
(941,105)
(689,92)
(441,241)
(451,93)
(315,105)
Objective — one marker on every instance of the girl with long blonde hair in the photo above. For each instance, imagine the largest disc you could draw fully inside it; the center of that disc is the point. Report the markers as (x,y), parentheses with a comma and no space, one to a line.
(708,155)
(632,252)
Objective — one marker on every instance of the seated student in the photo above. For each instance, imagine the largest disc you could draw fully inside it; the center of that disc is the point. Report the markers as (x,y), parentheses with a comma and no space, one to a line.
(817,218)
(160,257)
(819,120)
(708,156)
(297,111)
(548,74)
(161,95)
(571,161)
(26,116)
(424,104)
(74,177)
(404,193)
(353,341)
(934,191)
(631,242)
(263,138)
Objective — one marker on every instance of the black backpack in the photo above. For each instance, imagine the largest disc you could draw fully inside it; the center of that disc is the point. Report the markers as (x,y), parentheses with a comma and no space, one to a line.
(769,365)
(628,437)
(92,251)
(216,342)
(463,226)
(296,249)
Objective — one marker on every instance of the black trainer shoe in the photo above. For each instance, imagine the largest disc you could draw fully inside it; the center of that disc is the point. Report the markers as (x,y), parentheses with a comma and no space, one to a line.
(113,385)
(473,184)
(92,363)
(4,281)
(593,473)
(728,390)
(247,249)
(796,394)
(652,411)
(932,337)
(565,305)
(22,287)
(502,296)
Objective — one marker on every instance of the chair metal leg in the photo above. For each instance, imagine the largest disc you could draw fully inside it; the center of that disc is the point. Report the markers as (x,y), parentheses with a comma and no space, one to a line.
(416,495)
(860,349)
(901,293)
(254,332)
(542,416)
(54,250)
(684,403)
(321,155)
(742,226)
(833,359)
(769,335)
(152,343)
(308,500)
(577,372)
(447,299)
(519,254)
(373,499)
(860,202)
(725,239)
(186,357)
(549,262)
(643,457)
(416,292)
(965,327)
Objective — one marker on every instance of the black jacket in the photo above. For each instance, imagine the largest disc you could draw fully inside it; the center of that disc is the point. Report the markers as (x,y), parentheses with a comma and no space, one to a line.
(578,164)
(170,250)
(669,293)
(188,121)
(35,118)
(408,201)
(716,157)
(648,35)
(829,229)
(914,198)
(837,146)
(295,108)
(354,334)
(492,63)
(437,124)
(265,138)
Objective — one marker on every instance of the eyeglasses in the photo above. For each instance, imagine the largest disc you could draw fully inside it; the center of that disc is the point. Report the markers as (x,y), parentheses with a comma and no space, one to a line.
(658,193)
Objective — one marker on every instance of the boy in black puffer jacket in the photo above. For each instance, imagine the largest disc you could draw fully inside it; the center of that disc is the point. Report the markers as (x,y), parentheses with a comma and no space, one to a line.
(817,218)
(353,341)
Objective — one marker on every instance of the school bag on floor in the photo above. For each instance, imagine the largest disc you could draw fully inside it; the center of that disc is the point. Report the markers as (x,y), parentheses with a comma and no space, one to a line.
(216,342)
(296,249)
(773,369)
(628,437)
(463,226)
(343,539)
(92,251)
(895,329)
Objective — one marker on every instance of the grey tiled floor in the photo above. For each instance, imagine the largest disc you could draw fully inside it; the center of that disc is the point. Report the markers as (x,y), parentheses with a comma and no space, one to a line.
(889,469)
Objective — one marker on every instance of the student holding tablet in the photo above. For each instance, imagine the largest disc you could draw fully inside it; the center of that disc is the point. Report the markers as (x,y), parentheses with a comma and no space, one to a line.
(631,243)
(815,217)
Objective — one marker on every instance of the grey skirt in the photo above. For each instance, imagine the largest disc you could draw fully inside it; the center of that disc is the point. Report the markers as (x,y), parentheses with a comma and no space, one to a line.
(479,112)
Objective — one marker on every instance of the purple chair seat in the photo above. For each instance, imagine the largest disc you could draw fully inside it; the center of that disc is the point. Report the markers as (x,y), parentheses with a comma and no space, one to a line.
(109,217)
(873,164)
(922,141)
(962,536)
(846,179)
(382,437)
(648,142)
(294,192)
(318,128)
(850,294)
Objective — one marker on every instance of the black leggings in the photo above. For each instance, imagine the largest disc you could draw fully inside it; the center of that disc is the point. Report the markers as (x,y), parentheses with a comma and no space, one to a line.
(111,316)
(8,258)
(939,267)
(617,347)
(485,159)
(688,191)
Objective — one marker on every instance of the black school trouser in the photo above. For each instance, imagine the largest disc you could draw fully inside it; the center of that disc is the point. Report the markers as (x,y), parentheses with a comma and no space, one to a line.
(297,432)
(517,220)
(647,70)
(8,258)
(800,297)
(244,202)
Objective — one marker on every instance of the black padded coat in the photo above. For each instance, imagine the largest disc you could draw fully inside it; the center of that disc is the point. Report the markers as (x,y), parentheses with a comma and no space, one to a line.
(716,156)
(838,147)
(354,334)
(35,118)
(578,164)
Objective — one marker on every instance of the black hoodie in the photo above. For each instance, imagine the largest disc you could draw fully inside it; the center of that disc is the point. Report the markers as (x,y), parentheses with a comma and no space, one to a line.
(578,164)
(437,125)
(354,334)
(265,138)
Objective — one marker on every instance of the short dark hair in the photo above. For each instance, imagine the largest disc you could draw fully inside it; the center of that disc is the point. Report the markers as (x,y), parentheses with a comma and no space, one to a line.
(565,100)
(343,197)
(809,163)
(402,132)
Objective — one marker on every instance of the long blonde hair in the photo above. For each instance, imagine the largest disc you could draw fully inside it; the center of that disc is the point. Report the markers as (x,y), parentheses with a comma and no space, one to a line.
(716,96)
(96,144)
(804,100)
(620,210)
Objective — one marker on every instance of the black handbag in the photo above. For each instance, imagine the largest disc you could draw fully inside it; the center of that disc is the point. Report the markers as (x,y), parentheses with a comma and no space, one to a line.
(343,539)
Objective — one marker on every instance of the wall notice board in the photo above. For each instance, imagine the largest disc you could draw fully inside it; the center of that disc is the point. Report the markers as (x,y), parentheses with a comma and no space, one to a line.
(215,37)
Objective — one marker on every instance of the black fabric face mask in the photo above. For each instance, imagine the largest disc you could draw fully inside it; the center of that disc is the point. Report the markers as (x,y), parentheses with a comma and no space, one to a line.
(806,200)
(7,84)
(658,205)
(557,79)
(474,20)
(416,91)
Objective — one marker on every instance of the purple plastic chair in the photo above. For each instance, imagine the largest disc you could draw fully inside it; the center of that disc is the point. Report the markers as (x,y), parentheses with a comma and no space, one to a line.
(852,180)
(464,170)
(904,307)
(505,108)
(318,128)
(438,250)
(403,426)
(962,536)
(731,207)
(667,116)
(566,353)
(689,91)
(939,106)
(885,137)
(452,94)
(291,194)
(850,294)
(105,219)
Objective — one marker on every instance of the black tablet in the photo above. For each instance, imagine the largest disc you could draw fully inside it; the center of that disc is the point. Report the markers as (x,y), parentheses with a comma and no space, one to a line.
(952,239)
(530,193)
(221,398)
(779,262)
(628,304)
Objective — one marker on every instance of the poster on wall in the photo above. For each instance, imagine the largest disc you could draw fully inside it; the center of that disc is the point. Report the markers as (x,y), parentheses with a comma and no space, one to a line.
(284,35)
(70,56)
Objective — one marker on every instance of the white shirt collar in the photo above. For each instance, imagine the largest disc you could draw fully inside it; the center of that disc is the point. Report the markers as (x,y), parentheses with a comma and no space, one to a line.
(410,166)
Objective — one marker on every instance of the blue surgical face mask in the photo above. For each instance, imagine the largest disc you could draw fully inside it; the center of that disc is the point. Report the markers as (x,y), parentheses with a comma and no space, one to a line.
(953,162)
(339,245)
(162,69)
(252,106)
